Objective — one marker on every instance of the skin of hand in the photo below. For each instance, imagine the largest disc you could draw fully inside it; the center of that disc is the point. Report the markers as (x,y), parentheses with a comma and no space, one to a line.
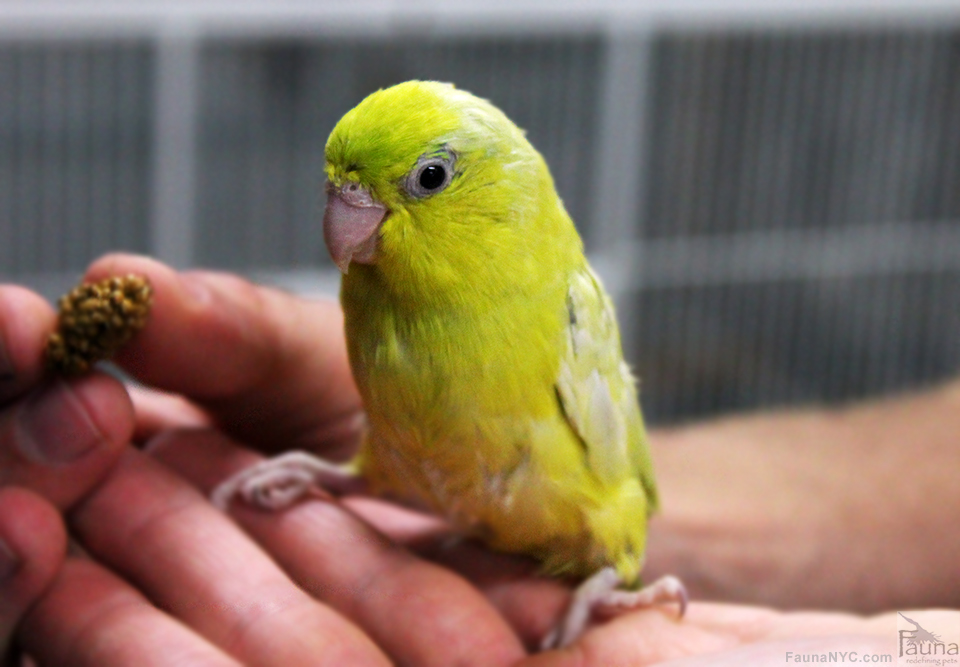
(846,508)
(149,589)
(144,580)
(32,549)
(57,441)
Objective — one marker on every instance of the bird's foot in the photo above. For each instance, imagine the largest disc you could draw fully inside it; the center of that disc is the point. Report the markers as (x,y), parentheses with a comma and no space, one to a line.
(279,482)
(601,593)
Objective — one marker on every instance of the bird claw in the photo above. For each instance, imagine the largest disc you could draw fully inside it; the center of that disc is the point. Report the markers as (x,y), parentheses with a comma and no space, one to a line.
(665,589)
(277,483)
(600,593)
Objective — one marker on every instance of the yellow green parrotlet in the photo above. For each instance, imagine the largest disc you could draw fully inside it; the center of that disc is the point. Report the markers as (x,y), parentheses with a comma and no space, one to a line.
(485,349)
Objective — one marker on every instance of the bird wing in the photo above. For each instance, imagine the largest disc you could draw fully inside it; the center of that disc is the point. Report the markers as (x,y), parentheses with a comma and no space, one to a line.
(597,392)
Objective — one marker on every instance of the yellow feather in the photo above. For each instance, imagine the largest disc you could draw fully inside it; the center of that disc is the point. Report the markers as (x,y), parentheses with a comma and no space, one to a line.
(485,349)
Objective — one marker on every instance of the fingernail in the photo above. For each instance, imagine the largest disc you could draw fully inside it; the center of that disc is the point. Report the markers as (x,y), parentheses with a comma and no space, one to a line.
(9,563)
(55,427)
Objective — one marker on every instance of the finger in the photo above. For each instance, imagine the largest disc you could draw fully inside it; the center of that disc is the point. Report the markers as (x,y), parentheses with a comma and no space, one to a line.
(644,637)
(25,322)
(58,437)
(32,546)
(190,560)
(91,617)
(158,411)
(268,365)
(530,603)
(420,613)
(63,438)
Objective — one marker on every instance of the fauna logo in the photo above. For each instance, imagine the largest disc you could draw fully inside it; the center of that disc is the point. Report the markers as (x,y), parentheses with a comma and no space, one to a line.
(922,646)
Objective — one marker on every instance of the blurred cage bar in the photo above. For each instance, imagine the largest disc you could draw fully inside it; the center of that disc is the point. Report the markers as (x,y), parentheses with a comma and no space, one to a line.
(771,190)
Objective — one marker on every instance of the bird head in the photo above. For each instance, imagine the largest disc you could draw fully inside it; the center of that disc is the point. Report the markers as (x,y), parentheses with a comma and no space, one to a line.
(431,186)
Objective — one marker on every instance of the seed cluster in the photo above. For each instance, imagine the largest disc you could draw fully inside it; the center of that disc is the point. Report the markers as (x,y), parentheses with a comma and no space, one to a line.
(96,320)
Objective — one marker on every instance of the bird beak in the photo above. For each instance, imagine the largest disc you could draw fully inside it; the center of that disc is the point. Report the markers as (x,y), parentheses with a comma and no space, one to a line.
(351,224)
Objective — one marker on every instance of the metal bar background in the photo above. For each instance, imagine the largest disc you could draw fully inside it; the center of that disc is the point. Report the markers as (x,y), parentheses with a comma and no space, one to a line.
(767,188)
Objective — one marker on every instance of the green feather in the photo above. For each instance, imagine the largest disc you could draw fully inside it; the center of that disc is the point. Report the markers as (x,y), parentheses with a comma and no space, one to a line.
(485,349)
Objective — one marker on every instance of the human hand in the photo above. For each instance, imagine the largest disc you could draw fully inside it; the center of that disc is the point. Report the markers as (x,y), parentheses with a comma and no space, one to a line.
(709,633)
(270,370)
(259,364)
(814,508)
(58,439)
(718,635)
(306,538)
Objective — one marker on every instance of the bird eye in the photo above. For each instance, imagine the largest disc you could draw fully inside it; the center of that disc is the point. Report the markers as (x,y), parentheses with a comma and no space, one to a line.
(431,175)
